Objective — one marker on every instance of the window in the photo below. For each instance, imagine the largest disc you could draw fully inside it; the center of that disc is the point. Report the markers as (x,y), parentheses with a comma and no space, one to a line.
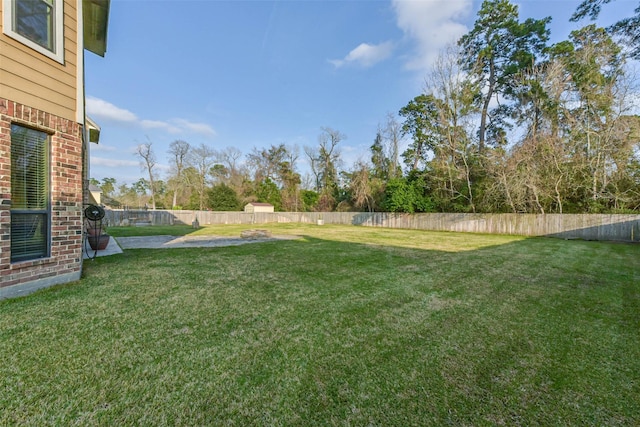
(30,208)
(36,23)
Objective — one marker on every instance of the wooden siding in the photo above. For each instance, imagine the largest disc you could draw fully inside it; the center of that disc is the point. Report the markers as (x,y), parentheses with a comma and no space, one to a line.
(30,78)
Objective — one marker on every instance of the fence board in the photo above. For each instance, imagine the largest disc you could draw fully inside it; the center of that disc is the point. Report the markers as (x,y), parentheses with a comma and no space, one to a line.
(606,227)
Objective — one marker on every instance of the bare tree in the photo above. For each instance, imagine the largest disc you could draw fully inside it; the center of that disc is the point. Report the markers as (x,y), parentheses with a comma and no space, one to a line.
(448,111)
(235,172)
(392,133)
(265,163)
(361,187)
(293,154)
(178,150)
(314,160)
(329,156)
(229,157)
(148,162)
(201,159)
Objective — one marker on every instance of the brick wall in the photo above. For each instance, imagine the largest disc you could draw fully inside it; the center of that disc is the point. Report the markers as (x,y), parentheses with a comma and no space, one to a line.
(66,175)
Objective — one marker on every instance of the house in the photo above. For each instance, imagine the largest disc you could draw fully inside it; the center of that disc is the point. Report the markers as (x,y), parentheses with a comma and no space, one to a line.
(258,207)
(95,195)
(44,135)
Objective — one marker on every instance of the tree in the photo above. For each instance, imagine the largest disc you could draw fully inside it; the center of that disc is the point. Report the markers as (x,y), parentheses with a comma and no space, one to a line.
(291,180)
(139,189)
(201,159)
(328,158)
(108,186)
(399,197)
(235,174)
(624,185)
(408,195)
(148,162)
(628,27)
(219,173)
(223,198)
(555,130)
(365,184)
(495,50)
(162,195)
(309,200)
(268,192)
(392,134)
(190,199)
(576,133)
(277,164)
(421,122)
(381,163)
(434,126)
(267,162)
(314,159)
(452,167)
(595,64)
(323,162)
(363,187)
(230,157)
(179,150)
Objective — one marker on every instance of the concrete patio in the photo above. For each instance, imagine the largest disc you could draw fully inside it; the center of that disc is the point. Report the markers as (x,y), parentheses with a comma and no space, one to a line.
(116,245)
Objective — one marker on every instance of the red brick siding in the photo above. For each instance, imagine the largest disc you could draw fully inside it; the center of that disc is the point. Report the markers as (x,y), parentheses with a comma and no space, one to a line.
(66,174)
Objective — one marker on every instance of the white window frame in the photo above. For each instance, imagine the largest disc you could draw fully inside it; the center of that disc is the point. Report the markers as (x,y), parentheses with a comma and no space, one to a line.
(57,53)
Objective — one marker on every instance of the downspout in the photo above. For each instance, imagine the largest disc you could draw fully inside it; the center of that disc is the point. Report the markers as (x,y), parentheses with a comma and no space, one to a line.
(83,120)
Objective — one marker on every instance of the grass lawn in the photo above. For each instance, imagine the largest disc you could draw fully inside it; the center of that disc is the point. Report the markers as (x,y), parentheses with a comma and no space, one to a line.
(347,326)
(167,230)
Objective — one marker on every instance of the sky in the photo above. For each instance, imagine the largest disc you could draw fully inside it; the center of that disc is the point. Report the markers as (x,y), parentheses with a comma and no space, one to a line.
(251,74)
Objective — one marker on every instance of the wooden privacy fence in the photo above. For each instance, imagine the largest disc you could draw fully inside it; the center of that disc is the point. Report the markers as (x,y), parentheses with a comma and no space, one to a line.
(605,227)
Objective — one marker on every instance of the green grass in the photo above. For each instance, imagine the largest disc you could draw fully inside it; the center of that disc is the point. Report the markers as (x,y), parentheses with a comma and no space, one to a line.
(348,326)
(156,230)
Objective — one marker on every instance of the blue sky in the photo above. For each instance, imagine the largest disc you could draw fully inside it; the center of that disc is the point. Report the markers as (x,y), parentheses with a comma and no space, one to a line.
(251,74)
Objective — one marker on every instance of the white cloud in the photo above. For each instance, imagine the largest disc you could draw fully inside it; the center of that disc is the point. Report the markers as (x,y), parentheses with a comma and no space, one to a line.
(153,124)
(432,25)
(199,128)
(100,109)
(102,147)
(113,163)
(365,55)
(157,124)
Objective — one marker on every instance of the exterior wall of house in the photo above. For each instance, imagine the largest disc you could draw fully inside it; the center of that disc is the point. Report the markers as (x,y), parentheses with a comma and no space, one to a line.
(39,92)
(66,186)
(33,79)
(258,207)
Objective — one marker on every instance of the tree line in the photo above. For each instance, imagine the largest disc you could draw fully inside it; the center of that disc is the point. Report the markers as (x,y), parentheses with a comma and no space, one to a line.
(506,123)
